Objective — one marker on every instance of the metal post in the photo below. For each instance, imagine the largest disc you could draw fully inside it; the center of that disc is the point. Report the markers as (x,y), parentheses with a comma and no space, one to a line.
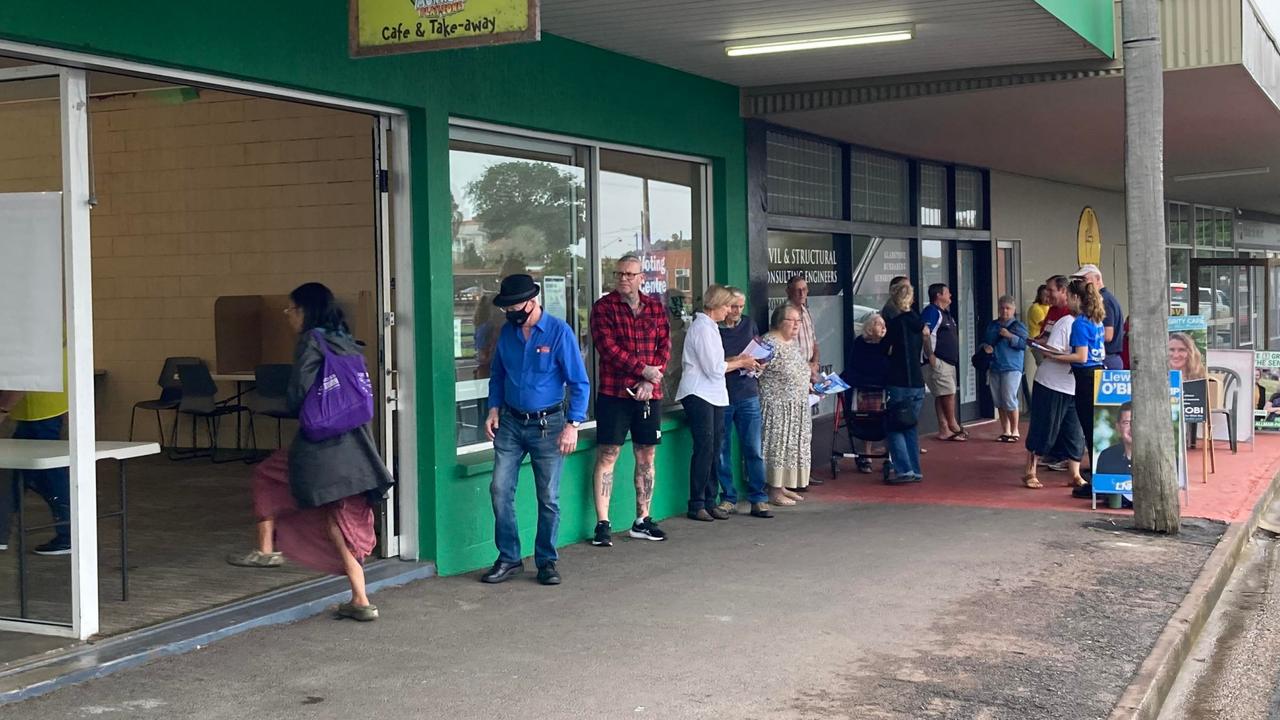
(1155,484)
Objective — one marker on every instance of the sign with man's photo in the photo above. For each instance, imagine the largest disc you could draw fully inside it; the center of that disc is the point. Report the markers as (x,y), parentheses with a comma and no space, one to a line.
(1266,391)
(1113,432)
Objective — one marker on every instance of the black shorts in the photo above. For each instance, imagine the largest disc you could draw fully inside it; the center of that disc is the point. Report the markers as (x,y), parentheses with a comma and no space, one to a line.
(617,416)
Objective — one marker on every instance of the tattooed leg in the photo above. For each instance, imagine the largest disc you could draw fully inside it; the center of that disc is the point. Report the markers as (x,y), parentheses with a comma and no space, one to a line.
(606,456)
(644,478)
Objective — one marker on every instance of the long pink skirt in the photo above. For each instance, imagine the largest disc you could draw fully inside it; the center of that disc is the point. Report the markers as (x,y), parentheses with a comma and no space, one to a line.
(302,534)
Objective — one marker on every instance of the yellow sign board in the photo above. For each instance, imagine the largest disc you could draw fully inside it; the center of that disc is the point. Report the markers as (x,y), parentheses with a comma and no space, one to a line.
(383,27)
(1088,238)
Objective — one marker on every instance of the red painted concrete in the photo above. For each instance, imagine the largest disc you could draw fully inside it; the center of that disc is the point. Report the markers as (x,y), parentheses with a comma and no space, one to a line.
(984,473)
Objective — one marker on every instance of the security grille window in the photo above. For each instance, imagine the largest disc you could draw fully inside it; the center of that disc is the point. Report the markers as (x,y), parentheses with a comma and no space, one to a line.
(804,176)
(969,198)
(933,195)
(880,188)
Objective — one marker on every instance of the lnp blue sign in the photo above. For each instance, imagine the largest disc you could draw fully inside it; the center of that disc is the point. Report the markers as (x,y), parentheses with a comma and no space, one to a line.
(1113,431)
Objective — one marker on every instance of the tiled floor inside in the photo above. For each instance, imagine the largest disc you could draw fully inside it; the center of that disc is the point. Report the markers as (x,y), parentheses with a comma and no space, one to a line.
(184,519)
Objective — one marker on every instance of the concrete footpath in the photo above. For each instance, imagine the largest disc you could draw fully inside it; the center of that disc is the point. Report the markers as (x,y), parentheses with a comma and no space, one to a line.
(831,610)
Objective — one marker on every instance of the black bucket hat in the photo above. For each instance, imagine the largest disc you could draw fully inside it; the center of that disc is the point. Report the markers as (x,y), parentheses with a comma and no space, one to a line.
(515,290)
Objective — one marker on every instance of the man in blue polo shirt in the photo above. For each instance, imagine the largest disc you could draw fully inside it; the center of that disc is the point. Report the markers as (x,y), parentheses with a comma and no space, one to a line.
(536,358)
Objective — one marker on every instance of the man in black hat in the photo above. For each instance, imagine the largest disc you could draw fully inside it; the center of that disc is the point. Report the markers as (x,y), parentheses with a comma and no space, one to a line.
(536,359)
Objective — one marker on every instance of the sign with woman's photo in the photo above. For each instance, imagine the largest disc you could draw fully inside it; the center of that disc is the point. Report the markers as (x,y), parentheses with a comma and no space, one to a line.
(1188,347)
(1266,391)
(1113,433)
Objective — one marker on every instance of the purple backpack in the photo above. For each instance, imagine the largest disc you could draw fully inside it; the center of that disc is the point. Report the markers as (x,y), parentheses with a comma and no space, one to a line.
(341,399)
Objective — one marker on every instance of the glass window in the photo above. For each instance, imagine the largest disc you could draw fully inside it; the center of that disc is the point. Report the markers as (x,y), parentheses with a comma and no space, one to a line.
(652,207)
(812,256)
(804,176)
(520,205)
(515,209)
(880,188)
(969,198)
(1204,227)
(1224,229)
(933,195)
(876,262)
(1178,222)
(1179,280)
(935,267)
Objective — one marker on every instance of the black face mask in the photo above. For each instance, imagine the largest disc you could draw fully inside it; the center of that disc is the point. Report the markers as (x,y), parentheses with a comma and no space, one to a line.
(517,317)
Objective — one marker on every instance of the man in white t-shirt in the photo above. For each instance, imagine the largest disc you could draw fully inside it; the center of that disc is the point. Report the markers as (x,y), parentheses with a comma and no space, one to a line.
(1054,422)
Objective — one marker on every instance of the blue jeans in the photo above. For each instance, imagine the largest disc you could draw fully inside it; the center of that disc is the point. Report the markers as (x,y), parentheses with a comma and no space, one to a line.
(52,485)
(746,415)
(904,445)
(516,438)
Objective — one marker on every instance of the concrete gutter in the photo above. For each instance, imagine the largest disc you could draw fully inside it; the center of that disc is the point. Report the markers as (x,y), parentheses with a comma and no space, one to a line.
(1145,696)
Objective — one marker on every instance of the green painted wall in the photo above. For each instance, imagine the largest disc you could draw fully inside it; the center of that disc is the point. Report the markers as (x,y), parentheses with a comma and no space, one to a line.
(1093,20)
(554,85)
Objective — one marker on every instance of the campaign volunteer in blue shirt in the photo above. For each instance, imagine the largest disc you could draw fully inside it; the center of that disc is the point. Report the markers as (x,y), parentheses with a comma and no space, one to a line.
(1086,349)
(536,359)
(1112,321)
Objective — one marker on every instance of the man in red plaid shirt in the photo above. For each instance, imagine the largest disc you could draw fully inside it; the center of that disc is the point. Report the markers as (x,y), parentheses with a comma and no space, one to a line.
(632,337)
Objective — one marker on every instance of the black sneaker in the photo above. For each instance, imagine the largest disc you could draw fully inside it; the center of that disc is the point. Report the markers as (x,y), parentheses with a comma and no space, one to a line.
(53,547)
(602,538)
(646,529)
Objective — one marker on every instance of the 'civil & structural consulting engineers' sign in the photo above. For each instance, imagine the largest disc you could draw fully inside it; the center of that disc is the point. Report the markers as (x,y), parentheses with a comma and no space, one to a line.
(382,27)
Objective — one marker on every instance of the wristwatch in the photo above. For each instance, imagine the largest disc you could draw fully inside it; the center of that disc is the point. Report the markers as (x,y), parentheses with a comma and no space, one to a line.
(576,423)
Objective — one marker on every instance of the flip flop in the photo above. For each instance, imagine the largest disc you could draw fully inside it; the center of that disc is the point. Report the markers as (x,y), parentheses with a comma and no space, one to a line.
(958,437)
(1003,439)
(1031,481)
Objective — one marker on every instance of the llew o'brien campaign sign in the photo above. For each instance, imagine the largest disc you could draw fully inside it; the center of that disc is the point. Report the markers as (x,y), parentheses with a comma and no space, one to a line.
(382,27)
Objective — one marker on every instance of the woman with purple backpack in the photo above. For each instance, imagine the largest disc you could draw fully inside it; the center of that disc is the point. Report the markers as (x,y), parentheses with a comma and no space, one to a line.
(322,490)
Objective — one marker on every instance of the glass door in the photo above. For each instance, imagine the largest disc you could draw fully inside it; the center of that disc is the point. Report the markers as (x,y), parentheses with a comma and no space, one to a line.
(49,575)
(966,311)
(1236,296)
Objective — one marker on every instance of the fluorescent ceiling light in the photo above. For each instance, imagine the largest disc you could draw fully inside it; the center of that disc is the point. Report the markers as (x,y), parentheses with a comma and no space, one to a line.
(819,40)
(1219,174)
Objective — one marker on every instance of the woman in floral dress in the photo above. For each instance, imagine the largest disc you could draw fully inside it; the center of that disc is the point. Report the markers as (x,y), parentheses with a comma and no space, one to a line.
(784,409)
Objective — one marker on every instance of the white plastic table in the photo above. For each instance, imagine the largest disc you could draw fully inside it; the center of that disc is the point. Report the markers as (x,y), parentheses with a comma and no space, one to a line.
(53,454)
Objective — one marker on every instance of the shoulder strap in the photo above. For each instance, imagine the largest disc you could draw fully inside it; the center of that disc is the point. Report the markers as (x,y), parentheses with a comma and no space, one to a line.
(318,334)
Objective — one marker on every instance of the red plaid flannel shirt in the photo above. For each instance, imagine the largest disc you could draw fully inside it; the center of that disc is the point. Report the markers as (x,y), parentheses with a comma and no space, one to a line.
(626,342)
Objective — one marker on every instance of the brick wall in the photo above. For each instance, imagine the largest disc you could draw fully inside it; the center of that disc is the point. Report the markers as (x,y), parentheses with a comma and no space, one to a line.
(199,197)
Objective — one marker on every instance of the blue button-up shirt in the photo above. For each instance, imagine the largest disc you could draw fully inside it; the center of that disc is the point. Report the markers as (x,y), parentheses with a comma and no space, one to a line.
(531,375)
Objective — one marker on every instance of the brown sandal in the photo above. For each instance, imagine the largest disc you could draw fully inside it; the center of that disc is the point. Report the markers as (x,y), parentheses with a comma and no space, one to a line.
(1031,481)
(1076,482)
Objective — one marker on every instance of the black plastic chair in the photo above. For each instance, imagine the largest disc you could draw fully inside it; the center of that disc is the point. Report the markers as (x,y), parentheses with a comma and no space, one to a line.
(199,400)
(170,397)
(270,398)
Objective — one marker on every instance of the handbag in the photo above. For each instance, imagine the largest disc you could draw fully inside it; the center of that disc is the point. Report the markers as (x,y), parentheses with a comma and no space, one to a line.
(341,399)
(981,361)
(899,415)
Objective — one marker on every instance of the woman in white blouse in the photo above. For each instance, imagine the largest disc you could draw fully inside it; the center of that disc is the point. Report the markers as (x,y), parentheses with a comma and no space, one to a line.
(704,395)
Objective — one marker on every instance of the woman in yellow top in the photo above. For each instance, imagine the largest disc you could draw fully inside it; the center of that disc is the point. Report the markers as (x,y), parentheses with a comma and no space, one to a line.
(1037,312)
(38,416)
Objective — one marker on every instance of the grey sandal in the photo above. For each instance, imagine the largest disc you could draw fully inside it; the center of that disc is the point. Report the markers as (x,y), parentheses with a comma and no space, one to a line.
(361,613)
(257,559)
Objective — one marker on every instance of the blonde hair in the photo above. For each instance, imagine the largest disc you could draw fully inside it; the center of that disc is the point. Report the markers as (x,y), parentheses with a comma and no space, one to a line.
(716,296)
(1195,363)
(901,296)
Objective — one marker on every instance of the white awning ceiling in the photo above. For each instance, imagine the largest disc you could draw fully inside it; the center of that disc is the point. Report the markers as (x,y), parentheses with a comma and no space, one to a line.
(690,36)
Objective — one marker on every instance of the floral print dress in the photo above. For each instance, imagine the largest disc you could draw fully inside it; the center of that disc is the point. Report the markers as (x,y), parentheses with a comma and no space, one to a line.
(784,408)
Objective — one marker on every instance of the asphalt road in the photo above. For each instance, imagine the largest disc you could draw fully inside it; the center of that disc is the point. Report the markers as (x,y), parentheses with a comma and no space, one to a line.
(1233,672)
(830,610)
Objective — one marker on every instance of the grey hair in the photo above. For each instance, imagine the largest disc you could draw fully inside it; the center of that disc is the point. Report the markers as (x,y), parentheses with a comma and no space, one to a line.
(1007,300)
(629,258)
